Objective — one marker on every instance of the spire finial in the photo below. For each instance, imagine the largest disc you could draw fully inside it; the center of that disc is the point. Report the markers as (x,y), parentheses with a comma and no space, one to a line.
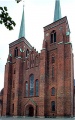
(22,26)
(57,12)
(23,3)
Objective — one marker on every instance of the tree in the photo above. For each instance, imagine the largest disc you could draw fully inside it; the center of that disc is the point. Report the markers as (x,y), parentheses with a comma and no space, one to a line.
(5,18)
(18,1)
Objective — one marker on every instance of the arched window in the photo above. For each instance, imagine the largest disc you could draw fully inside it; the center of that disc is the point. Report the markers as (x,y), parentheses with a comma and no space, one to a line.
(53,105)
(31,85)
(26,89)
(53,36)
(53,91)
(37,87)
(16,52)
(27,52)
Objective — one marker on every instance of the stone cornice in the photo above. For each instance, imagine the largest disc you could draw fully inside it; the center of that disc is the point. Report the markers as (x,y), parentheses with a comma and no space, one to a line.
(54,24)
(19,41)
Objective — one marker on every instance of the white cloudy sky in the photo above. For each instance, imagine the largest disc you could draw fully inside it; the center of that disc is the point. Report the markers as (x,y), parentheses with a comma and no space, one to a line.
(38,13)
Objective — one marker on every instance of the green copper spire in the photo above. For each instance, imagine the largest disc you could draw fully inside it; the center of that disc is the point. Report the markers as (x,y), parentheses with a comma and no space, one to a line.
(22,27)
(57,12)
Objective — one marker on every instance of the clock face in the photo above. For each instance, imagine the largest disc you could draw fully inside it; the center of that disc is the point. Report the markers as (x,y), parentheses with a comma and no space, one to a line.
(47,34)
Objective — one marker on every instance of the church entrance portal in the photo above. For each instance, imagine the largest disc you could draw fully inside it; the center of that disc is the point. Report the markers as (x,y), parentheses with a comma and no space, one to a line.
(30,111)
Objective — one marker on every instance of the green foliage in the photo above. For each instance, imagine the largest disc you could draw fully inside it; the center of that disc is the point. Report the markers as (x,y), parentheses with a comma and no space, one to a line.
(6,19)
(18,1)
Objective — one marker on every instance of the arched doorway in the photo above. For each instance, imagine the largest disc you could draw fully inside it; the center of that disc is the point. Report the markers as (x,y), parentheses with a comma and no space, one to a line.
(30,111)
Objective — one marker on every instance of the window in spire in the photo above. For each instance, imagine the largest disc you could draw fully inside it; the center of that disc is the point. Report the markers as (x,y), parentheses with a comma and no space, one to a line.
(53,37)
(16,52)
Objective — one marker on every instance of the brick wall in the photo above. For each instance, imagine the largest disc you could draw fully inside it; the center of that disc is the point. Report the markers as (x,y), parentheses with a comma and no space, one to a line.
(57,74)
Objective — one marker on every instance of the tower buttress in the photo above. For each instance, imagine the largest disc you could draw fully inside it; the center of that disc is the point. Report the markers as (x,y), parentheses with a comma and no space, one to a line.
(7,87)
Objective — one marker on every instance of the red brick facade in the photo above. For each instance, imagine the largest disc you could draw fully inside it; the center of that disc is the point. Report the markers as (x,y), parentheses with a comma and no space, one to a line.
(1,102)
(52,67)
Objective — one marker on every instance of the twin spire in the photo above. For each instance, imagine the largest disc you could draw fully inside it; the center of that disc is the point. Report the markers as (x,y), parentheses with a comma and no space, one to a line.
(57,16)
(22,27)
(57,12)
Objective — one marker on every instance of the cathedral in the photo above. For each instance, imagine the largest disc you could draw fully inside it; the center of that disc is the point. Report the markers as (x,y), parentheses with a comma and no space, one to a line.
(40,84)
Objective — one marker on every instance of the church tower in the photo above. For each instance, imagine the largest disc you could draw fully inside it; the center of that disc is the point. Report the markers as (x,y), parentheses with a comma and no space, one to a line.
(14,73)
(59,66)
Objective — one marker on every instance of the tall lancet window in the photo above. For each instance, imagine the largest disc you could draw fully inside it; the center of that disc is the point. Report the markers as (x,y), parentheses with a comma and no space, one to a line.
(53,91)
(53,37)
(31,85)
(53,105)
(27,53)
(26,89)
(37,87)
(16,52)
